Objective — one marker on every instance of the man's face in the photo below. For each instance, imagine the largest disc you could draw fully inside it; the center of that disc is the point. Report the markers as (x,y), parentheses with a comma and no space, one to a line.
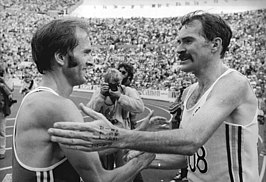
(193,49)
(81,55)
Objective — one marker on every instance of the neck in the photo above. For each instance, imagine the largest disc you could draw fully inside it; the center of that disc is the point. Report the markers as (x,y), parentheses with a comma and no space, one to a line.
(208,76)
(58,83)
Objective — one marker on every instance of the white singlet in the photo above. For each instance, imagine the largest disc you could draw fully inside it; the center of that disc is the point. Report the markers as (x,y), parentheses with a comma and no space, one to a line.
(230,155)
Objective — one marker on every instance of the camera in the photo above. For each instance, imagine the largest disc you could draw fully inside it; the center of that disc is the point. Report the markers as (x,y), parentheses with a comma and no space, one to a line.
(113,86)
(113,78)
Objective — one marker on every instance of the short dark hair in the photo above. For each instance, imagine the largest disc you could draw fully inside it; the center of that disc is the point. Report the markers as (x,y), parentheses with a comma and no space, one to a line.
(129,68)
(212,26)
(56,36)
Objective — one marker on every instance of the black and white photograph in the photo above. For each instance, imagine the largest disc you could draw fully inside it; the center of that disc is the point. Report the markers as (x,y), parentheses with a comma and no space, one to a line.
(133,91)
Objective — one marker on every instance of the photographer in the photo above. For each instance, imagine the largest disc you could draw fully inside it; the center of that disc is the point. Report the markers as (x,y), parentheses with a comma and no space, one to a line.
(115,102)
(6,102)
(127,75)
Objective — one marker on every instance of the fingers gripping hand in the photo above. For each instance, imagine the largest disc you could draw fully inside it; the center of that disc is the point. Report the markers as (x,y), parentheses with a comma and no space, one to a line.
(158,120)
(132,154)
(146,158)
(159,123)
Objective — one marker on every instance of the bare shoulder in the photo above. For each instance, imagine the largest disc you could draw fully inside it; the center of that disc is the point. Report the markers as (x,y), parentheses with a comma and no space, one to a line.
(47,108)
(233,89)
(233,83)
(232,95)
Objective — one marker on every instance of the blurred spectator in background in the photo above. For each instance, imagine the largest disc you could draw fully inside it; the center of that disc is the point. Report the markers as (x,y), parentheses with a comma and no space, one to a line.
(115,102)
(27,85)
(262,118)
(127,72)
(176,110)
(6,101)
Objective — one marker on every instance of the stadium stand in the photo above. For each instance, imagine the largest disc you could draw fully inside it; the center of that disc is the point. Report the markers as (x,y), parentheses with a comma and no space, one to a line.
(147,43)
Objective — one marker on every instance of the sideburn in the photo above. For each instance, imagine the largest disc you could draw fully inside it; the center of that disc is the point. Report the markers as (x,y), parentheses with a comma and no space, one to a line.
(72,62)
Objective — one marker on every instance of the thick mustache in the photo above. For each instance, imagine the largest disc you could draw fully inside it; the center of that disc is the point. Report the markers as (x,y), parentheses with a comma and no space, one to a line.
(184,56)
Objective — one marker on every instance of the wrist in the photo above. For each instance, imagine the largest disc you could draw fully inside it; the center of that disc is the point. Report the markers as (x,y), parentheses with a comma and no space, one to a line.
(139,163)
(121,141)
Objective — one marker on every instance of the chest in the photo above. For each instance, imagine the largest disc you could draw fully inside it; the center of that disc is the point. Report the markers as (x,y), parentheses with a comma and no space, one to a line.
(194,98)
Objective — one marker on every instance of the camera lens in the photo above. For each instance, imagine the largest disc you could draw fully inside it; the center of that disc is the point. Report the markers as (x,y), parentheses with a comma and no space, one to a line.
(113,87)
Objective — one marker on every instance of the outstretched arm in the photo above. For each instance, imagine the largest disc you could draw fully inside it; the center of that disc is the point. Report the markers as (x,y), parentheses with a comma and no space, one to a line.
(89,166)
(226,97)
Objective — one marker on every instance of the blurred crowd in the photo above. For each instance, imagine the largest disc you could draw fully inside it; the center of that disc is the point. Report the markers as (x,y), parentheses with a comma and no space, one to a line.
(38,6)
(149,44)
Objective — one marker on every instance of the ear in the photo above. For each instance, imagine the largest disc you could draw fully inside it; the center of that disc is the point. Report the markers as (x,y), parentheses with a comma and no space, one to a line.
(60,58)
(216,44)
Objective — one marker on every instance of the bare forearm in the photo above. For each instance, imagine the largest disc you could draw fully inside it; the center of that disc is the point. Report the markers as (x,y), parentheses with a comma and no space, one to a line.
(168,141)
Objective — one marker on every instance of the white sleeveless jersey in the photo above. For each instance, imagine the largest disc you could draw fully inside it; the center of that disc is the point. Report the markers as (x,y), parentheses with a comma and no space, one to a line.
(230,155)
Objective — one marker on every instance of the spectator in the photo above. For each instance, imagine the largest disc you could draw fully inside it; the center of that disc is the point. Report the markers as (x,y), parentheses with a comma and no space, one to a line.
(27,85)
(176,110)
(6,102)
(115,101)
(127,72)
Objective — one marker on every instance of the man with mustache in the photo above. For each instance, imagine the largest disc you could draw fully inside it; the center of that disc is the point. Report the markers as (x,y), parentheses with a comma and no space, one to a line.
(219,129)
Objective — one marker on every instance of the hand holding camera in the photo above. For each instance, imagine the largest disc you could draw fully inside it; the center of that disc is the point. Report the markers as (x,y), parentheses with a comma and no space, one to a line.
(111,89)
(111,86)
(115,90)
(105,89)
